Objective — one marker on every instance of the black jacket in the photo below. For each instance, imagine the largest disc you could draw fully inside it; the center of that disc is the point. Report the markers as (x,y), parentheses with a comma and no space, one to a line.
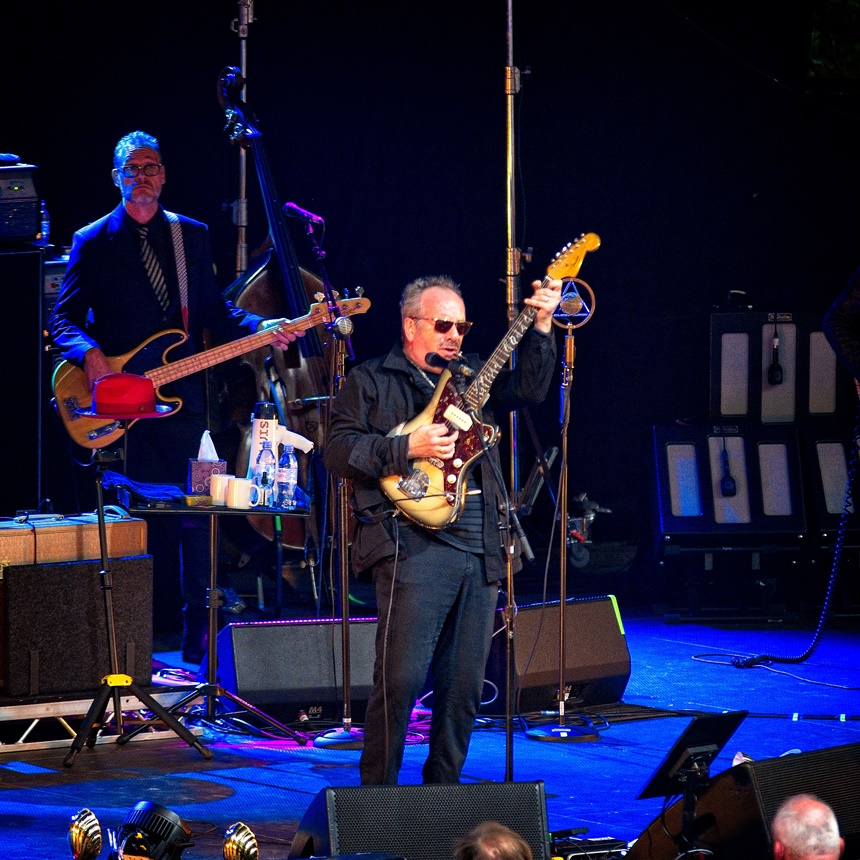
(841,325)
(381,393)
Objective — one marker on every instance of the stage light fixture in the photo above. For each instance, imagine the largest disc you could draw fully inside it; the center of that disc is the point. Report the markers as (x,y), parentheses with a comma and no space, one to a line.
(85,835)
(240,843)
(152,832)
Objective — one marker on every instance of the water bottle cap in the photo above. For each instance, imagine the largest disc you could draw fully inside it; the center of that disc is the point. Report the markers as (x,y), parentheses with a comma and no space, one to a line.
(264,409)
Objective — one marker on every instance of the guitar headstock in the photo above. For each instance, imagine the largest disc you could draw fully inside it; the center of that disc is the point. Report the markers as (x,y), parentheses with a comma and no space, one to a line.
(568,260)
(345,307)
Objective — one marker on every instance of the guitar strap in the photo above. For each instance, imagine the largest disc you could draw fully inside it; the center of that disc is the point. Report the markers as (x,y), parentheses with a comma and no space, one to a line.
(181,270)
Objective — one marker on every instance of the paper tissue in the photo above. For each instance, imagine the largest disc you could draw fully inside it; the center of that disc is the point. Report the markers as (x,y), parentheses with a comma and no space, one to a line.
(207,464)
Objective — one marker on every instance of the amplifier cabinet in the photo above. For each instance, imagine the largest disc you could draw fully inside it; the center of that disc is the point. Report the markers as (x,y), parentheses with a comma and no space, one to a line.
(53,626)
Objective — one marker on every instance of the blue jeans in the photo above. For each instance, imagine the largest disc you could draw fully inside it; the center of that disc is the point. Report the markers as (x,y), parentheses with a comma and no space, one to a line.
(435,608)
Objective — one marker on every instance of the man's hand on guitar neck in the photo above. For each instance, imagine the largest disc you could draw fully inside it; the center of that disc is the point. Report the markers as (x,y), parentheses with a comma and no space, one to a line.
(283,338)
(546,300)
(95,365)
(432,440)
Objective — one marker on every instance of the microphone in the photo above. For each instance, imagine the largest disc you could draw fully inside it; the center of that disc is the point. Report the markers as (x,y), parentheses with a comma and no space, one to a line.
(774,372)
(571,301)
(457,366)
(728,485)
(291,210)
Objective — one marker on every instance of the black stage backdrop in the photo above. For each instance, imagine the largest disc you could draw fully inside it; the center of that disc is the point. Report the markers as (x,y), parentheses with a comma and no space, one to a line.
(689,137)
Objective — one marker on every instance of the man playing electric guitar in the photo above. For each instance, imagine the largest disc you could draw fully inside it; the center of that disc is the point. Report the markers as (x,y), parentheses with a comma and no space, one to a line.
(122,287)
(436,587)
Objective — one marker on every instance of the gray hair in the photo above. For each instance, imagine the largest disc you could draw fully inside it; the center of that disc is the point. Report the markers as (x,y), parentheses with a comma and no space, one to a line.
(410,299)
(133,140)
(807,827)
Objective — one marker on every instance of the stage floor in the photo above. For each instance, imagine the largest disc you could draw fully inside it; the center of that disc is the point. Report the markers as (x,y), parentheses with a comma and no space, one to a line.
(268,780)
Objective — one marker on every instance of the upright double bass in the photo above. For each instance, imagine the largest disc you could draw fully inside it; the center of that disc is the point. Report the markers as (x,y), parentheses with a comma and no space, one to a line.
(299,380)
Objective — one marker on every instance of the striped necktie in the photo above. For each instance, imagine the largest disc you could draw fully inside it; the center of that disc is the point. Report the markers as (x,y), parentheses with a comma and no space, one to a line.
(153,268)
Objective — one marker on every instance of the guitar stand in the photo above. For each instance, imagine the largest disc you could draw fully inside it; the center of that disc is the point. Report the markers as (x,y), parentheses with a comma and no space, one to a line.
(211,689)
(116,683)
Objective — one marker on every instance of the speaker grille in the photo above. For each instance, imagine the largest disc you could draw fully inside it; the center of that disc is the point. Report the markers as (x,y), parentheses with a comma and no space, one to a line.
(54,628)
(419,822)
(830,774)
(597,660)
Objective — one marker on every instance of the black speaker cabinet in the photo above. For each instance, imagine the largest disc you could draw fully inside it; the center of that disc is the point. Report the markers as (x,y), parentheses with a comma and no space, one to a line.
(55,637)
(722,485)
(21,350)
(418,822)
(775,368)
(733,814)
(597,660)
(284,667)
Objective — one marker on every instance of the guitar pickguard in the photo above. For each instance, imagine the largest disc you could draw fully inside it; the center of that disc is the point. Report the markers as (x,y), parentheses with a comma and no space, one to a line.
(434,492)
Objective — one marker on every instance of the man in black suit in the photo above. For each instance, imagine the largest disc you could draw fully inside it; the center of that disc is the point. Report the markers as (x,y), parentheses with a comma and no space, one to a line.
(133,273)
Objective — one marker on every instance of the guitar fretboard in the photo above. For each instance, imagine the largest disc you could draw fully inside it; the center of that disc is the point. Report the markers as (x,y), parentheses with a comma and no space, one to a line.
(477,393)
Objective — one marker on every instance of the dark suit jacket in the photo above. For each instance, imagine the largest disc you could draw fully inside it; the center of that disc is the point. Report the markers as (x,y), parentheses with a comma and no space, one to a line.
(106,299)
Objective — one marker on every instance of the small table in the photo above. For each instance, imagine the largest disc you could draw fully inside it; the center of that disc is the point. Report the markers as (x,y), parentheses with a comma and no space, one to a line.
(211,689)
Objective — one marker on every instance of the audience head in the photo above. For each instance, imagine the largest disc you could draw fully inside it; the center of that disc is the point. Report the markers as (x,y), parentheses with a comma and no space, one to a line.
(805,828)
(492,840)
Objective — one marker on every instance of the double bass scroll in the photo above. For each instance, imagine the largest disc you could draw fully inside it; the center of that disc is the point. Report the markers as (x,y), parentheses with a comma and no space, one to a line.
(298,380)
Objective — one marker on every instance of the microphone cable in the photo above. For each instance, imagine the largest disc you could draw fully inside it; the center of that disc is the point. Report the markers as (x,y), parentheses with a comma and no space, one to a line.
(752,662)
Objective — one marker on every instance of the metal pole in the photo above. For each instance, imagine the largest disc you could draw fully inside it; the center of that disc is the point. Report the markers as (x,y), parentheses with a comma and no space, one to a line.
(514,257)
(240,206)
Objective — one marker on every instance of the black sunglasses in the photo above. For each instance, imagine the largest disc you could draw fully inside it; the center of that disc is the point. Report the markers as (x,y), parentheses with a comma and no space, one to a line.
(444,326)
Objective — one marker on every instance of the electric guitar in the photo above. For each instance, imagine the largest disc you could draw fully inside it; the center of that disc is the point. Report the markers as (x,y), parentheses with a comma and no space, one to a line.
(433,493)
(150,359)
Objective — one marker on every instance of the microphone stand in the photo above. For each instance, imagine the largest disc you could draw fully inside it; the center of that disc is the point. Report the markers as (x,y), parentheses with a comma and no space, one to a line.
(347,737)
(514,255)
(565,731)
(240,211)
(509,521)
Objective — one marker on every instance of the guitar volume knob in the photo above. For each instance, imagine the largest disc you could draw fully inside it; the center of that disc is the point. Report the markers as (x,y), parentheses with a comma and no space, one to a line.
(457,463)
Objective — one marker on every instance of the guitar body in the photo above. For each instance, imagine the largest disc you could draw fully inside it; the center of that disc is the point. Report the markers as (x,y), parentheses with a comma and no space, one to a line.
(71,392)
(434,494)
(150,359)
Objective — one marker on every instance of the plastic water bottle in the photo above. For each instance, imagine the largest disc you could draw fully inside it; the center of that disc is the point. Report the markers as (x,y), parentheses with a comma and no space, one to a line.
(265,470)
(288,478)
(44,238)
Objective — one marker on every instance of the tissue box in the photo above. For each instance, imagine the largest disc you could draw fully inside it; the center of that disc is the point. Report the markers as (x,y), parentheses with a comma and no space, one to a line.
(199,473)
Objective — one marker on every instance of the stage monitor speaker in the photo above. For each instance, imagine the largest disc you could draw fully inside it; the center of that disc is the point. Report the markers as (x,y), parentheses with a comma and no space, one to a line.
(733,814)
(55,637)
(597,664)
(418,822)
(286,667)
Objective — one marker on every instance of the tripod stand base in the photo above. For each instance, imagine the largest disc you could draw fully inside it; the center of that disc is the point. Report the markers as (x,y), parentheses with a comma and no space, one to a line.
(344,739)
(565,734)
(94,719)
(211,692)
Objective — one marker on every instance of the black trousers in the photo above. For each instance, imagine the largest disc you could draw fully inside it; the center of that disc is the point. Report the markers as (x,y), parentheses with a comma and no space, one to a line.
(435,608)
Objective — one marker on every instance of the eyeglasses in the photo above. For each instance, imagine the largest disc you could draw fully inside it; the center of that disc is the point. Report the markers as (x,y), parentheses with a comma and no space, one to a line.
(132,170)
(444,326)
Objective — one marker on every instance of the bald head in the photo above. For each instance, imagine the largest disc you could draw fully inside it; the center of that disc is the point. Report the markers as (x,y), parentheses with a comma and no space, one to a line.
(805,828)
